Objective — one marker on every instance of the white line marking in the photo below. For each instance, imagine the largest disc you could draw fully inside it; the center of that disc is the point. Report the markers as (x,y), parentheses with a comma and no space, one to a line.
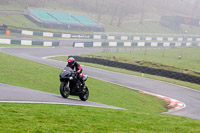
(34,102)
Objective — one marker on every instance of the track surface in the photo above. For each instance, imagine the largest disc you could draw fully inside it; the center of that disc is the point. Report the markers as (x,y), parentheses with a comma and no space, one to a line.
(22,95)
(190,97)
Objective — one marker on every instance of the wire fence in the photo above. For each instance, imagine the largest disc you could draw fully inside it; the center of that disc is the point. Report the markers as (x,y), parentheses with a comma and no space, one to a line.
(181,59)
(148,34)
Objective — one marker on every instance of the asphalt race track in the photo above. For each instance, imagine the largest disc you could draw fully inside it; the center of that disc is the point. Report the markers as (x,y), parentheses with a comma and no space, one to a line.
(16,94)
(186,95)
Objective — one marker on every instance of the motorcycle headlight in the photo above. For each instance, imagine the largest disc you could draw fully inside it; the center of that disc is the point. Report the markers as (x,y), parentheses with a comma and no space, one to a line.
(70,78)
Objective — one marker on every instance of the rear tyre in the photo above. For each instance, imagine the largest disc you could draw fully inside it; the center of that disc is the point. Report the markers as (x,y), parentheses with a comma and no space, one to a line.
(84,95)
(64,90)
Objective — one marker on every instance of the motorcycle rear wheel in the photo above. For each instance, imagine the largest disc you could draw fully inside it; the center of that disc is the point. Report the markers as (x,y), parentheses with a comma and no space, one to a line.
(64,90)
(85,94)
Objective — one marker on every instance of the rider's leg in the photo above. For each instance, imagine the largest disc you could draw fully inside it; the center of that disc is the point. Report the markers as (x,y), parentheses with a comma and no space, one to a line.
(81,78)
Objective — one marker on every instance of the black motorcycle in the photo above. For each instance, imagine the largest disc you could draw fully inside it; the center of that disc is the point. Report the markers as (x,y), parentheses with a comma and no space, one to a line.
(71,85)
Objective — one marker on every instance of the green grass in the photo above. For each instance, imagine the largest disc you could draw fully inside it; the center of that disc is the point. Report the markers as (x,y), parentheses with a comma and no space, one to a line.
(12,5)
(18,21)
(163,58)
(173,81)
(21,22)
(20,72)
(143,114)
(149,27)
(17,45)
(136,27)
(6,45)
(58,118)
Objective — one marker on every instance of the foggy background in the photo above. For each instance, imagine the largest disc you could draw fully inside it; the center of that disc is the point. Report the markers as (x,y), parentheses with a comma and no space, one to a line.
(119,10)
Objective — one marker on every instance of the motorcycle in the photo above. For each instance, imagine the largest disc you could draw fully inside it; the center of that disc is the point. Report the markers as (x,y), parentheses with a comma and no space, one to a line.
(71,85)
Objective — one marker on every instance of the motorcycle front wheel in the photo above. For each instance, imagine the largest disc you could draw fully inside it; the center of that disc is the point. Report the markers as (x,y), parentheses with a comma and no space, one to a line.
(64,90)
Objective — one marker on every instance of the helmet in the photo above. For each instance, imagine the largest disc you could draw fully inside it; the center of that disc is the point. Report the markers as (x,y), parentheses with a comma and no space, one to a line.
(71,62)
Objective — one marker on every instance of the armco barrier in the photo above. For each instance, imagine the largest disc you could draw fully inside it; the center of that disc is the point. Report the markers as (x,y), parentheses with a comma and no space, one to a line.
(5,32)
(158,38)
(50,34)
(142,69)
(133,44)
(28,42)
(2,31)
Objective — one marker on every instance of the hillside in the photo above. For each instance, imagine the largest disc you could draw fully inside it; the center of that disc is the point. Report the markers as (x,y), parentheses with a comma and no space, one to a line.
(131,20)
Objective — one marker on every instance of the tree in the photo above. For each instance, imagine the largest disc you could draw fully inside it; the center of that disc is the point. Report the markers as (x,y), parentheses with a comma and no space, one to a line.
(99,8)
(195,11)
(116,7)
(123,11)
(142,11)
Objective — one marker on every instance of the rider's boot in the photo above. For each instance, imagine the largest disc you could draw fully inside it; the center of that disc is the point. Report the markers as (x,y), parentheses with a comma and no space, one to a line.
(82,82)
(81,79)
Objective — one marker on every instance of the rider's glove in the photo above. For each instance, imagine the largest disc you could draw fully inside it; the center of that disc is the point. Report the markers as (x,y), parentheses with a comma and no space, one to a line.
(79,71)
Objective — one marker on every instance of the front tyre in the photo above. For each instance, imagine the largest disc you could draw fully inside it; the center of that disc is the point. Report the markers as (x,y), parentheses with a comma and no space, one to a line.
(84,95)
(64,90)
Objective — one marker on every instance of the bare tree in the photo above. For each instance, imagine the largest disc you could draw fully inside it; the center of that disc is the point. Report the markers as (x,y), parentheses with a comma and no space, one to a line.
(142,11)
(123,11)
(99,8)
(195,11)
(116,7)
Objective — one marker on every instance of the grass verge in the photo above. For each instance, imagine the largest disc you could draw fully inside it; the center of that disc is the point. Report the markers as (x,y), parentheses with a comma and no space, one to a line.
(164,58)
(18,45)
(57,118)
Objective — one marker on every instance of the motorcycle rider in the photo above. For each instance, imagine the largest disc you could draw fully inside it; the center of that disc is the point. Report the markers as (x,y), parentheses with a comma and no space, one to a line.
(76,67)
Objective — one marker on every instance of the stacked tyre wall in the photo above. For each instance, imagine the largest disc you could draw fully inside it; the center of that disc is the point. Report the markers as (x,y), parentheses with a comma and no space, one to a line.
(142,69)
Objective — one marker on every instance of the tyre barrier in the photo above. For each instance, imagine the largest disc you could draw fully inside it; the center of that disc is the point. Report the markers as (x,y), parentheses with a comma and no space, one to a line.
(142,69)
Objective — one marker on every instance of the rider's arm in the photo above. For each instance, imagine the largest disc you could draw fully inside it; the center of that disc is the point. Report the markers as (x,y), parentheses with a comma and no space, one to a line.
(79,68)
